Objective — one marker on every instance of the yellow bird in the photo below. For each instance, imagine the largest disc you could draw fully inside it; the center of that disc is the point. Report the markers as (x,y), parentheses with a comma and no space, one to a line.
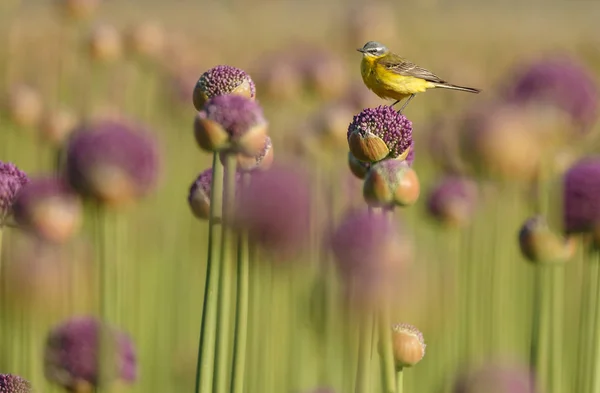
(392,77)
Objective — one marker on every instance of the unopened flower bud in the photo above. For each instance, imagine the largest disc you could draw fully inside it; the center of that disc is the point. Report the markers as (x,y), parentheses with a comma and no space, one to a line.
(358,168)
(260,162)
(453,201)
(24,106)
(391,183)
(105,44)
(222,80)
(540,245)
(408,345)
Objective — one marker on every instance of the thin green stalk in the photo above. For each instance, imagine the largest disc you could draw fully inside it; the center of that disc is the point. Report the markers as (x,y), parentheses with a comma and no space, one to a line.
(241,322)
(556,358)
(399,381)
(256,318)
(596,348)
(227,275)
(543,336)
(363,372)
(585,313)
(387,356)
(535,325)
(208,329)
(588,365)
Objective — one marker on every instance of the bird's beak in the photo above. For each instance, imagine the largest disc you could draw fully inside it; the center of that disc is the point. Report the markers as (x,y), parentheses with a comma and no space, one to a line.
(361,50)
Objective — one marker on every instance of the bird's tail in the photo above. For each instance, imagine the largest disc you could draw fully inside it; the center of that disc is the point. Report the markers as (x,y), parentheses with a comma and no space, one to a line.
(454,87)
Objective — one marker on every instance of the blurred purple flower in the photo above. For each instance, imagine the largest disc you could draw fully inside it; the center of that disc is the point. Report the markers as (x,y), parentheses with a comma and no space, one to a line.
(496,379)
(222,80)
(12,179)
(581,198)
(10,383)
(112,161)
(72,352)
(453,200)
(275,209)
(560,81)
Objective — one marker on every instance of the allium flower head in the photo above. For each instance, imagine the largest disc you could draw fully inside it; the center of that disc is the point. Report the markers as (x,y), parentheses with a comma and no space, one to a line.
(231,122)
(260,162)
(562,82)
(12,179)
(105,43)
(10,383)
(72,352)
(408,345)
(24,105)
(370,252)
(379,133)
(49,208)
(199,194)
(391,183)
(79,9)
(539,244)
(146,38)
(56,126)
(496,379)
(581,201)
(275,209)
(112,161)
(453,201)
(222,80)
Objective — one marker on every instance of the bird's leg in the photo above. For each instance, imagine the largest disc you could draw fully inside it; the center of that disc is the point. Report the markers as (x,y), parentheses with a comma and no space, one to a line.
(406,103)
(394,104)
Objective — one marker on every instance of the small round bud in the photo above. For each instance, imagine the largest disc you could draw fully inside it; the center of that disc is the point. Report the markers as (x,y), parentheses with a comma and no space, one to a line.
(222,80)
(326,74)
(24,106)
(72,352)
(199,195)
(79,9)
(278,77)
(391,183)
(56,126)
(540,245)
(452,201)
(112,161)
(48,208)
(260,162)
(379,133)
(231,122)
(105,44)
(10,383)
(12,180)
(358,168)
(408,345)
(146,39)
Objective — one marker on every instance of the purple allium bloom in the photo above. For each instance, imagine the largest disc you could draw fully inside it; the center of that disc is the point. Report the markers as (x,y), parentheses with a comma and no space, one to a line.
(236,114)
(383,122)
(199,194)
(10,383)
(581,198)
(112,161)
(72,352)
(560,81)
(48,207)
(275,209)
(369,252)
(12,179)
(496,379)
(222,80)
(454,199)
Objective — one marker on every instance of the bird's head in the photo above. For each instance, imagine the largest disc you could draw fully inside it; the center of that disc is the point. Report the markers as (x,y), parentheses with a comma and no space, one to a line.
(373,49)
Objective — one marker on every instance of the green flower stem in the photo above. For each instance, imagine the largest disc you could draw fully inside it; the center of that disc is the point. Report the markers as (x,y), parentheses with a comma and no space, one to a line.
(227,276)
(241,322)
(256,318)
(556,358)
(588,365)
(542,324)
(596,347)
(208,329)
(399,381)
(387,356)
(365,338)
(585,313)
(535,325)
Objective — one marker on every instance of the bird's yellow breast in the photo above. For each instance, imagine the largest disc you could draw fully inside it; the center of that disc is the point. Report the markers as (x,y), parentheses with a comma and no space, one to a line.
(387,84)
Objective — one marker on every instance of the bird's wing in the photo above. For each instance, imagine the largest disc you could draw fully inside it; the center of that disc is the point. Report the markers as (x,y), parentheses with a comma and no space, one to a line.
(404,67)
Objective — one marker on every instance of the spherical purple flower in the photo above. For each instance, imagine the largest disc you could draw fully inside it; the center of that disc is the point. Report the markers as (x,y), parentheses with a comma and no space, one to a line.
(12,179)
(370,252)
(496,379)
(72,354)
(10,383)
(222,80)
(453,200)
(231,122)
(581,196)
(199,194)
(562,82)
(48,207)
(112,161)
(275,209)
(379,133)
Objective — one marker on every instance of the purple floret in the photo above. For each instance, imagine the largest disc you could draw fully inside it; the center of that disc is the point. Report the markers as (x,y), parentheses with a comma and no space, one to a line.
(10,383)
(112,144)
(581,199)
(202,184)
(393,128)
(72,351)
(560,81)
(224,79)
(236,114)
(12,179)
